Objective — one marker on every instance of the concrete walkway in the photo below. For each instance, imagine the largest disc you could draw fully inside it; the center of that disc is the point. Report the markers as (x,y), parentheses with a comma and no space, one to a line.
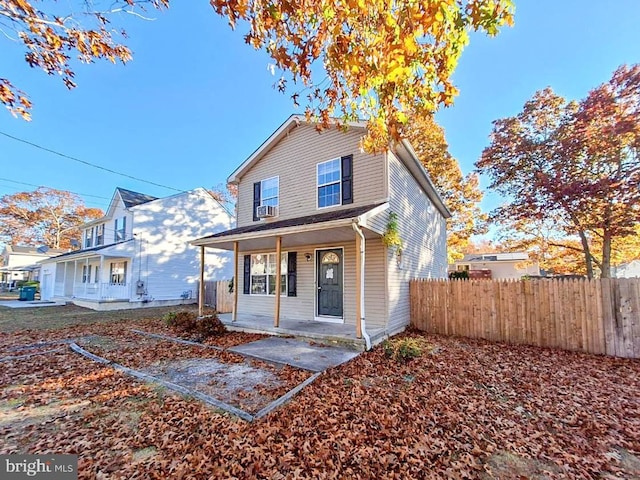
(30,304)
(297,353)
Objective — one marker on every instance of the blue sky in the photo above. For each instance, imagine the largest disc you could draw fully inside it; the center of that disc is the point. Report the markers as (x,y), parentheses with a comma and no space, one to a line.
(196,101)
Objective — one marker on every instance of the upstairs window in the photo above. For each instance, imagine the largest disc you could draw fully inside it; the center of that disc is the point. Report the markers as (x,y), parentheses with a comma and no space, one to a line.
(265,193)
(88,238)
(99,235)
(329,176)
(334,181)
(120,229)
(269,191)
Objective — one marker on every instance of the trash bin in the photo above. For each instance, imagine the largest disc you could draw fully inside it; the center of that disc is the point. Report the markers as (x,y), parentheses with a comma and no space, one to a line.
(27,294)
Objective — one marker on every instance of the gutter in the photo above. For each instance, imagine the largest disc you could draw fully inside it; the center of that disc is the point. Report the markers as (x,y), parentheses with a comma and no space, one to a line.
(356,228)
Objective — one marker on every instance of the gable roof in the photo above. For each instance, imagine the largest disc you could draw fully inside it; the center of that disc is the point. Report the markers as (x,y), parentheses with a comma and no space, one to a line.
(288,125)
(131,198)
(404,150)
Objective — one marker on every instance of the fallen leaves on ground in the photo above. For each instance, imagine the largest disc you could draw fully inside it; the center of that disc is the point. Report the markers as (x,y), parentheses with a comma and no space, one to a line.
(469,409)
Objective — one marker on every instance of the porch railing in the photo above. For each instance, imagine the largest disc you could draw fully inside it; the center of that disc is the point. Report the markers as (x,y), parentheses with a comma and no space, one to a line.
(101,291)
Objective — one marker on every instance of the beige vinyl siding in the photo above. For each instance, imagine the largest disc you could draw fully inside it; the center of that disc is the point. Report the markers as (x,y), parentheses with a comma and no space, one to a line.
(303,306)
(294,161)
(423,232)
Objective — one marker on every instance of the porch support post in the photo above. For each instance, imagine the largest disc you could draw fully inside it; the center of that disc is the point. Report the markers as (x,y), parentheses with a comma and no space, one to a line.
(276,313)
(358,286)
(100,277)
(236,282)
(88,279)
(201,285)
(75,275)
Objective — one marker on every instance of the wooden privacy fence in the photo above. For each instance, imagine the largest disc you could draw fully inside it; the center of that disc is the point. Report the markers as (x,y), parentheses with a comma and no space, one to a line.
(597,316)
(216,295)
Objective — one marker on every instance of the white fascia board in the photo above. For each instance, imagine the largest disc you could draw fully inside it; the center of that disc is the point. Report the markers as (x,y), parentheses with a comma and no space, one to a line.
(408,156)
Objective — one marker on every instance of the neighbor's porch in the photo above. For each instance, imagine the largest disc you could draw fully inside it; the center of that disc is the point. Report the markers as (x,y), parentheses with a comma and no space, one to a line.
(100,278)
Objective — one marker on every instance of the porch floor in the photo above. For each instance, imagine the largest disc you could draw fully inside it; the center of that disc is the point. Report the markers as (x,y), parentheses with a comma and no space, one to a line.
(323,332)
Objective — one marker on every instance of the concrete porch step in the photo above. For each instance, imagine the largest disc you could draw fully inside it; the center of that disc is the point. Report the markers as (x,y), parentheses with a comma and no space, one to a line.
(332,334)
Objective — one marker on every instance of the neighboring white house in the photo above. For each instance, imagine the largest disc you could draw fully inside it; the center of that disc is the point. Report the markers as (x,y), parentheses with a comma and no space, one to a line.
(626,270)
(498,266)
(139,254)
(19,263)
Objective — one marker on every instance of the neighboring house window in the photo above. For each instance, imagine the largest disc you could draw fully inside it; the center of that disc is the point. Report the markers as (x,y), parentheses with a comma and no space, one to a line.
(462,268)
(263,274)
(96,274)
(334,180)
(266,192)
(120,230)
(99,235)
(118,273)
(88,238)
(86,273)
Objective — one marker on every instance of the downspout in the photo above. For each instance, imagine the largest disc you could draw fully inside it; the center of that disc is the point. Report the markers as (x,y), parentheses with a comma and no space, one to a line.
(356,228)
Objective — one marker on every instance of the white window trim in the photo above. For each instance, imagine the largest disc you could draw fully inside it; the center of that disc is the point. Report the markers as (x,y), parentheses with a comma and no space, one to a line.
(97,235)
(286,281)
(88,237)
(277,178)
(318,207)
(124,272)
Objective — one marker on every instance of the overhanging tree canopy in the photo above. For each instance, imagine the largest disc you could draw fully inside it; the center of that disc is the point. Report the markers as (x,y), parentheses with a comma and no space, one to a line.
(370,59)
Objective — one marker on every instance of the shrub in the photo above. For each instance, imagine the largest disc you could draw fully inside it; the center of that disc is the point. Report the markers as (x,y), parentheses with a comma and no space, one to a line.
(190,325)
(404,349)
(460,275)
(169,318)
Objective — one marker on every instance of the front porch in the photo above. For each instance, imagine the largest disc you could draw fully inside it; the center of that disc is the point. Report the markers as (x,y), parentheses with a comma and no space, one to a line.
(317,263)
(323,332)
(94,275)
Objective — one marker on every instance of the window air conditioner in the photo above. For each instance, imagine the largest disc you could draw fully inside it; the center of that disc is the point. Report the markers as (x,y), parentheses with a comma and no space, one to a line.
(266,211)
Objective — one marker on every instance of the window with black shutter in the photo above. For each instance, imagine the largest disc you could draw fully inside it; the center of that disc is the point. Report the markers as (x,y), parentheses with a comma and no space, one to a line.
(256,200)
(292,263)
(347,179)
(247,275)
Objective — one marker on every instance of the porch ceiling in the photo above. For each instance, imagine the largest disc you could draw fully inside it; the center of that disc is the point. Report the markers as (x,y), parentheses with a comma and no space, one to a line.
(90,255)
(267,239)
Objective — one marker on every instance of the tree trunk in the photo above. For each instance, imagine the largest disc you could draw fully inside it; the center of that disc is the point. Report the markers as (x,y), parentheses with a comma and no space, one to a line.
(606,255)
(587,254)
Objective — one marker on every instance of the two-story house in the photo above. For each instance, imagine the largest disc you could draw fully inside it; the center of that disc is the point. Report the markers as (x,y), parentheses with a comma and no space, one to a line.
(139,254)
(311,214)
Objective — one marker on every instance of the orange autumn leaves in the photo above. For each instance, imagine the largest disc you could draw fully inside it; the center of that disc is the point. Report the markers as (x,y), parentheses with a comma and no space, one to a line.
(52,38)
(381,60)
(356,59)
